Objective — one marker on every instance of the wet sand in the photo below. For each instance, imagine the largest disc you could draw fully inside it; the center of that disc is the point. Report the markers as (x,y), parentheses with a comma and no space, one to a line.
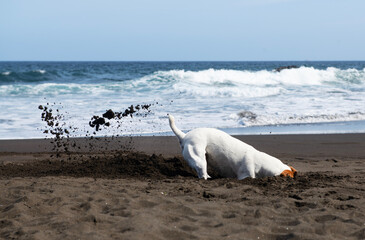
(140,188)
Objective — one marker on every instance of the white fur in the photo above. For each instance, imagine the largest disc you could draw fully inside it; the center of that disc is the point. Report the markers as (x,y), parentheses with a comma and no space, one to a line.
(228,155)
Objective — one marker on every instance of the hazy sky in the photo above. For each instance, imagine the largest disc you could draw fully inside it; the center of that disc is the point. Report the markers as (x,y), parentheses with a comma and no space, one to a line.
(182,30)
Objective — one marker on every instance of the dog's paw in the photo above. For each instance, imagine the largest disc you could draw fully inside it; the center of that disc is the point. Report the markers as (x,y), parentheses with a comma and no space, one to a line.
(206,177)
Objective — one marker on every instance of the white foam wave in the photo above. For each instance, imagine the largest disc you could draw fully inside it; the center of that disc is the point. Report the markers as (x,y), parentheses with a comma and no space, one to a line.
(5,73)
(40,71)
(205,98)
(285,119)
(299,76)
(54,89)
(222,92)
(249,84)
(208,83)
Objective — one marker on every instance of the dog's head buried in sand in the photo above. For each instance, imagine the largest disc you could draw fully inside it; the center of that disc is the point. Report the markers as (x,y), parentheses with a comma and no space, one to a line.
(228,155)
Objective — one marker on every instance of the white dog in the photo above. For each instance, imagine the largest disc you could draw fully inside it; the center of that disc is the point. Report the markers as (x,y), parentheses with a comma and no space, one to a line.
(226,154)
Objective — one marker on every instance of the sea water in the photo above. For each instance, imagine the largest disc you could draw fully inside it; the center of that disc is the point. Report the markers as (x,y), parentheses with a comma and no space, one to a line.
(238,97)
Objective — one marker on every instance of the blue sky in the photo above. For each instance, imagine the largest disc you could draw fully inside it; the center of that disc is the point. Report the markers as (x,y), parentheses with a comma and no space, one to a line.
(186,30)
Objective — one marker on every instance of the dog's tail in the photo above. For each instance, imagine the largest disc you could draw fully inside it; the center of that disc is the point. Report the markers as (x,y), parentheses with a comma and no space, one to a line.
(179,134)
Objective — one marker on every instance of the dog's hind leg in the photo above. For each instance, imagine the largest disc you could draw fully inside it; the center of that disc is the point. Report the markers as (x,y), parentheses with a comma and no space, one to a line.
(195,156)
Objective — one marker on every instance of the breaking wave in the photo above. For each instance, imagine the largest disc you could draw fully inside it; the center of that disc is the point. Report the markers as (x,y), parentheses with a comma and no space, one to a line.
(299,76)
(225,95)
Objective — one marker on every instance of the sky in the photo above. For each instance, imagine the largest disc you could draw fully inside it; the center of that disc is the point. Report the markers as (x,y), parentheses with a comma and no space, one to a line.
(189,30)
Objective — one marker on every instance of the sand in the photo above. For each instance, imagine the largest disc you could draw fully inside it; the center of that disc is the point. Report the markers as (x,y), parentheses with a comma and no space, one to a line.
(140,188)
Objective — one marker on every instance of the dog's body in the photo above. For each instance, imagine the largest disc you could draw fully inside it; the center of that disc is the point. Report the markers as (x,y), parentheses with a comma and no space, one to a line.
(228,155)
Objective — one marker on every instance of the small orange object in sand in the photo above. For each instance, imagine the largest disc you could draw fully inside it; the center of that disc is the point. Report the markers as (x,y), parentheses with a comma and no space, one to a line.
(289,173)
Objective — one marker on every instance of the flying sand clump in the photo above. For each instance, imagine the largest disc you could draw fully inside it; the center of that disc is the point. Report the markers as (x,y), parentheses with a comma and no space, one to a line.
(62,132)
(97,121)
(57,127)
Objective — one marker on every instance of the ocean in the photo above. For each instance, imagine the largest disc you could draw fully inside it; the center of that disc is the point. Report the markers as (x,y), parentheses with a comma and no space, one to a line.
(237,97)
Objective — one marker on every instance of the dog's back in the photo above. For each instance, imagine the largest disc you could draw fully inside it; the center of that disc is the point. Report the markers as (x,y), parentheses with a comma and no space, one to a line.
(223,152)
(232,157)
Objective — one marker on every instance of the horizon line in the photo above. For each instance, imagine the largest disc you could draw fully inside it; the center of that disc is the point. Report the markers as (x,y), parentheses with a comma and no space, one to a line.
(182,60)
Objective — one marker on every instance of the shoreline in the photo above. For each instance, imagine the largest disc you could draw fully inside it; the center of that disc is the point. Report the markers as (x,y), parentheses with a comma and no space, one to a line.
(336,127)
(287,144)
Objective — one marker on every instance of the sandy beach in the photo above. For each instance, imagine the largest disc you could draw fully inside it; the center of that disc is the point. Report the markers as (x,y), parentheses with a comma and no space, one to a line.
(140,188)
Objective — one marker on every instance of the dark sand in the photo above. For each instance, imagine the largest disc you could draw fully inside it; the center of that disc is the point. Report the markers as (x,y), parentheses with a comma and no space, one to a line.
(108,189)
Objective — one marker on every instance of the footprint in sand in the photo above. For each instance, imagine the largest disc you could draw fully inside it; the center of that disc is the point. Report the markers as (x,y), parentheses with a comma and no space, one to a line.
(120,212)
(325,218)
(305,205)
(147,204)
(188,228)
(53,201)
(228,215)
(5,223)
(84,207)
